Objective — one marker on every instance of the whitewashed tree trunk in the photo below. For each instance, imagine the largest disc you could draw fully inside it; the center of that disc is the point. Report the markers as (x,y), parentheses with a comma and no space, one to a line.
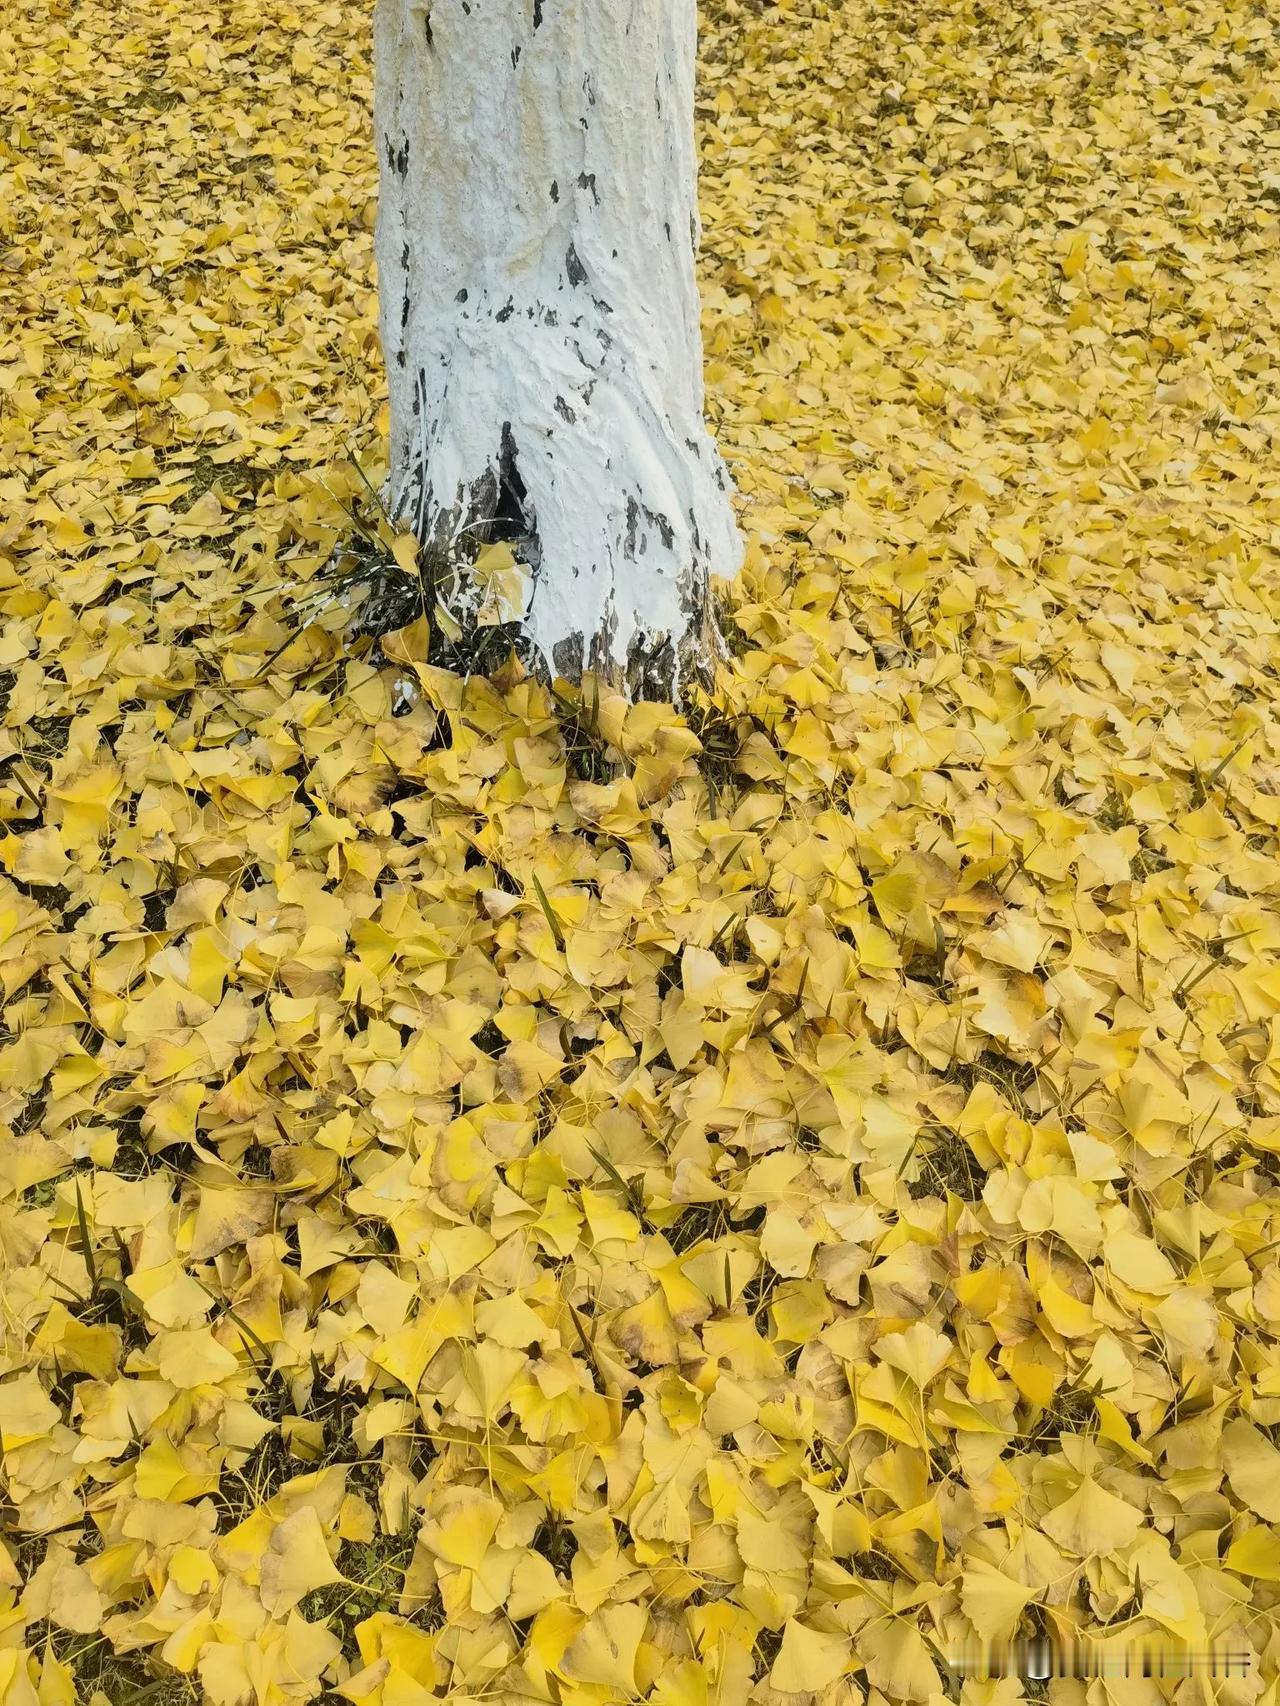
(537,230)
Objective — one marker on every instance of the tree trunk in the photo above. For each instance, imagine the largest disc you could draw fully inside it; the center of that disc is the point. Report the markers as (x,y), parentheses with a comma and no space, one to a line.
(537,229)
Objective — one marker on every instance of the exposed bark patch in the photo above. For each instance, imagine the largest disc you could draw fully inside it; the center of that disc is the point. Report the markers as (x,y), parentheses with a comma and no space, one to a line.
(648,672)
(537,14)
(574,270)
(666,532)
(565,412)
(511,509)
(567,655)
(587,181)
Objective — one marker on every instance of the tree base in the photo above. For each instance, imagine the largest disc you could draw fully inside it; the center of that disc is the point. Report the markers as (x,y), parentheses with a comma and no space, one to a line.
(619,511)
(660,670)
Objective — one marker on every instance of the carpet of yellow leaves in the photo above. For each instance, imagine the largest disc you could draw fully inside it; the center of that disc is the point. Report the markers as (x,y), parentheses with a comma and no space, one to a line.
(510,1203)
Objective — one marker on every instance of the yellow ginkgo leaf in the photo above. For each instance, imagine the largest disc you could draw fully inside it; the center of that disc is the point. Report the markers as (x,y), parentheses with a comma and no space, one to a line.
(1092,1521)
(919,1353)
(604,1652)
(1256,1553)
(510,1321)
(17,1678)
(1140,1263)
(786,1244)
(409,1652)
(1168,1592)
(897,1660)
(1253,1469)
(1188,1321)
(193,1357)
(296,1562)
(405,548)
(808,1659)
(992,1601)
(461,1525)
(26,1412)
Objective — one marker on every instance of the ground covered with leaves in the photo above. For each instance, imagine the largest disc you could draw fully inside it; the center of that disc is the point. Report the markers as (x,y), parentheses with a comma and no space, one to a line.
(513,1199)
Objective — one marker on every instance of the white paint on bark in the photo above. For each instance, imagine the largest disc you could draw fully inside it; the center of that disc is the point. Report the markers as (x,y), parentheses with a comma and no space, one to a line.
(537,231)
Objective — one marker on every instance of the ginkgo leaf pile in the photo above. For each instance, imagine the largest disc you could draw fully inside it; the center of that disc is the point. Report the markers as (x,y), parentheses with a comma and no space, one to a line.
(534,1200)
